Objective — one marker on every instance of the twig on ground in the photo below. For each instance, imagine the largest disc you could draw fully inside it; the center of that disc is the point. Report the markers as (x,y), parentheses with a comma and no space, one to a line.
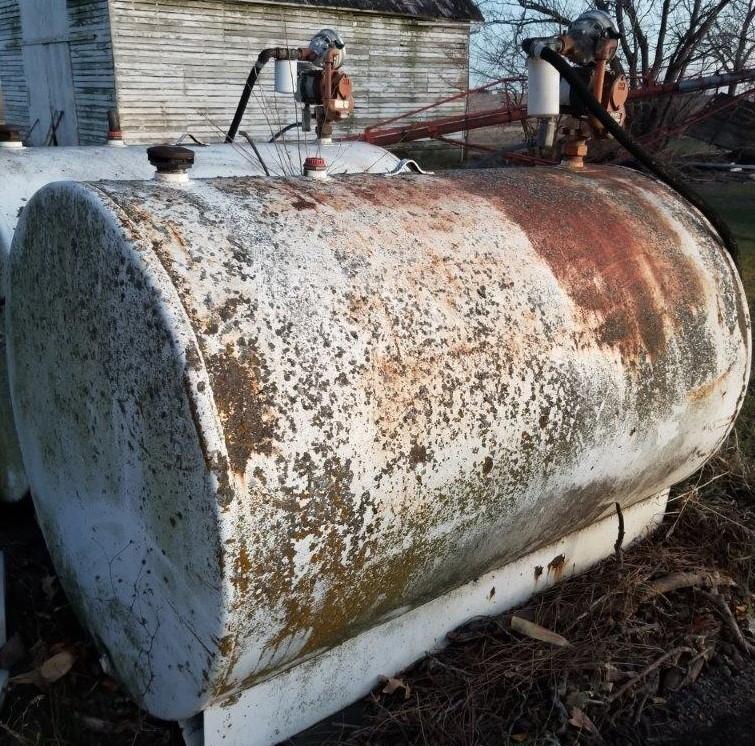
(620,537)
(728,617)
(12,733)
(647,670)
(678,580)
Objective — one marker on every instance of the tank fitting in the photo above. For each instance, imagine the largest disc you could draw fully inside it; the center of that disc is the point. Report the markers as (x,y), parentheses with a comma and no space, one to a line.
(172,162)
(114,132)
(315,167)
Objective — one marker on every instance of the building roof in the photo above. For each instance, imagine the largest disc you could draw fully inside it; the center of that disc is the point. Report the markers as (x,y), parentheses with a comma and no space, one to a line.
(452,10)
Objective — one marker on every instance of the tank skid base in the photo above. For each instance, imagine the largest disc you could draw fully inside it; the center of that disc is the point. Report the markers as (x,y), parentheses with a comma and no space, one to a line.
(292,701)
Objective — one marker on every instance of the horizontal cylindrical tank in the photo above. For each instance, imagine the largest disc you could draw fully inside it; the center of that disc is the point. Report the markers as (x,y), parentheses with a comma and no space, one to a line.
(24,171)
(261,416)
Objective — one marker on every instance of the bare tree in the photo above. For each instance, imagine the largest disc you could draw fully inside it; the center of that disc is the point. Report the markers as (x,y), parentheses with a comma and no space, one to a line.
(660,40)
(732,42)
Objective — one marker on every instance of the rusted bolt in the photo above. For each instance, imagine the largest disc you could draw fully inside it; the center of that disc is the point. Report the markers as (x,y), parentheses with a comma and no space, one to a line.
(171,162)
(315,167)
(10,136)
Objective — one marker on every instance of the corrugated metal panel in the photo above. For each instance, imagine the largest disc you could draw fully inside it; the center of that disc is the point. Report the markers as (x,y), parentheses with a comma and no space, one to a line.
(88,39)
(12,64)
(181,65)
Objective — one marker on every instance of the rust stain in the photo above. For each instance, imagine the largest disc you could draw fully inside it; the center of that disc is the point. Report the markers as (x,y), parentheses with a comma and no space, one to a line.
(556,566)
(244,396)
(617,257)
(303,204)
(705,390)
(176,234)
(243,574)
(418,455)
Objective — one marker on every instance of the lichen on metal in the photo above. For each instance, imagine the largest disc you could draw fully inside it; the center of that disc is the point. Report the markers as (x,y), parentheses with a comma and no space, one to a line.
(25,171)
(262,416)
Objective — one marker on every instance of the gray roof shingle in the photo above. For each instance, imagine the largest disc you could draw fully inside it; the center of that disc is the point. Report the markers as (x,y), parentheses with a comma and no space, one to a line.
(453,10)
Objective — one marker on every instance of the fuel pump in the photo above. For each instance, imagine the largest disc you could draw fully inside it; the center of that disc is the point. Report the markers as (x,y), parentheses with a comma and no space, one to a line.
(313,75)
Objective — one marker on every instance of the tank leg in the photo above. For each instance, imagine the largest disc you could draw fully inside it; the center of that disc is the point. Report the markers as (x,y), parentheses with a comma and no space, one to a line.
(293,700)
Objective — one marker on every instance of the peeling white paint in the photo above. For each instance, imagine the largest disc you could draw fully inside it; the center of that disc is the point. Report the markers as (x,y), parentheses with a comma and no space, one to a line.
(25,171)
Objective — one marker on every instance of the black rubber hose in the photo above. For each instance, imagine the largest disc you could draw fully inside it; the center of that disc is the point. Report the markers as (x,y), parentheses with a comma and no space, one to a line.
(282,131)
(664,173)
(254,73)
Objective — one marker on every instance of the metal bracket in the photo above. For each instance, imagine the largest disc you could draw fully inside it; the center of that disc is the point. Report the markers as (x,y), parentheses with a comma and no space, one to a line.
(192,730)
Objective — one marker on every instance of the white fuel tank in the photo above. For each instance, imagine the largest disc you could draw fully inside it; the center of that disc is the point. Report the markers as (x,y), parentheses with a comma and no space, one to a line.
(261,416)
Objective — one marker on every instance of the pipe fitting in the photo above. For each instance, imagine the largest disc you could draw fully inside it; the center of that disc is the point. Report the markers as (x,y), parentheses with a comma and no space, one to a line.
(171,162)
(316,168)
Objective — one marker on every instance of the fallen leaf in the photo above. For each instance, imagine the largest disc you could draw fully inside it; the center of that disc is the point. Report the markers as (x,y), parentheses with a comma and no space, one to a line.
(577,699)
(579,719)
(613,674)
(705,624)
(671,679)
(536,632)
(695,668)
(519,737)
(98,725)
(392,685)
(56,667)
(12,653)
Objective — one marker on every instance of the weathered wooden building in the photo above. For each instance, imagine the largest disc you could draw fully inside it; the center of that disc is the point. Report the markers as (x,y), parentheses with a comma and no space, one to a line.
(172,66)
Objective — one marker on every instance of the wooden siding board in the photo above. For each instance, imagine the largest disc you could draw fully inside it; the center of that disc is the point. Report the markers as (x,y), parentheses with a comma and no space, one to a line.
(12,65)
(181,65)
(92,64)
(88,37)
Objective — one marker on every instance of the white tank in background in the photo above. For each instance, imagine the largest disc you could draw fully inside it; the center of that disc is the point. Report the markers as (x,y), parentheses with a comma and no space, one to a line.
(24,170)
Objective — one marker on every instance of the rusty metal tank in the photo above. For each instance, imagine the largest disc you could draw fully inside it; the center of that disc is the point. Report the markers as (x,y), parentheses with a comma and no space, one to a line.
(261,417)
(24,170)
